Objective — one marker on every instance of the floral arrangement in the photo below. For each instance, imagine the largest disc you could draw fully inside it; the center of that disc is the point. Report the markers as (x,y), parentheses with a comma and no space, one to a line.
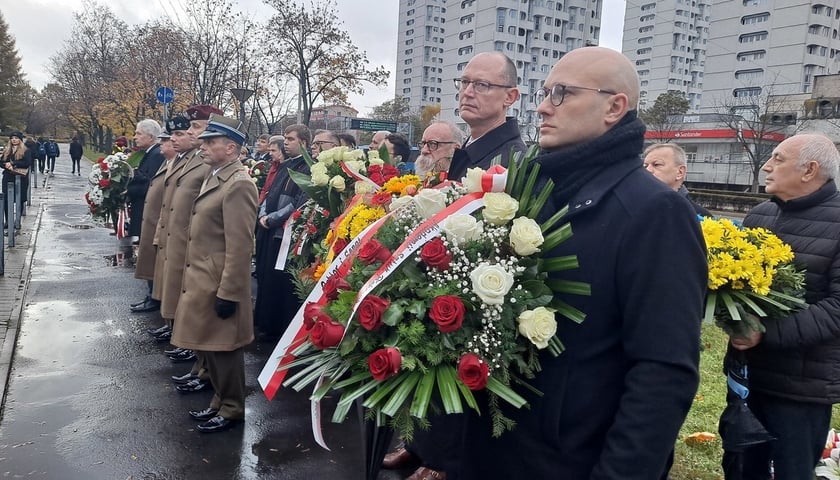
(751,274)
(448,293)
(258,170)
(108,180)
(829,466)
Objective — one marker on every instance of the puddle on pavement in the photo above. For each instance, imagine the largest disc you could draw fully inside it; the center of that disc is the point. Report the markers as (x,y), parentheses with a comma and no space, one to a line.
(123,258)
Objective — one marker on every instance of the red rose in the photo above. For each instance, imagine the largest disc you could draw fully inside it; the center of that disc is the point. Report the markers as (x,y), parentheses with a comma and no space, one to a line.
(373,169)
(389,172)
(447,312)
(313,312)
(473,371)
(339,245)
(377,178)
(295,214)
(384,363)
(312,229)
(373,251)
(434,254)
(383,198)
(370,311)
(103,183)
(326,333)
(333,285)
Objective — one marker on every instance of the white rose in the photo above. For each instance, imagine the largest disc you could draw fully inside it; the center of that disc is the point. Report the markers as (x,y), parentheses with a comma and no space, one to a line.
(328,157)
(499,208)
(525,236)
(538,326)
(320,179)
(461,228)
(337,183)
(491,283)
(355,165)
(318,169)
(399,202)
(362,188)
(472,181)
(352,155)
(429,202)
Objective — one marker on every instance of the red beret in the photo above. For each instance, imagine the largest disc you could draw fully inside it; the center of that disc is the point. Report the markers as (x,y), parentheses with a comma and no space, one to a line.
(202,112)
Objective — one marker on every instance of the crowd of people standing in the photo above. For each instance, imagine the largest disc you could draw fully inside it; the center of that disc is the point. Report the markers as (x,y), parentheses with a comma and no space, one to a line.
(613,403)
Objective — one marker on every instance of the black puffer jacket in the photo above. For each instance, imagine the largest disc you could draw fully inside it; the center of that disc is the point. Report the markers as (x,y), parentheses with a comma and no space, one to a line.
(799,356)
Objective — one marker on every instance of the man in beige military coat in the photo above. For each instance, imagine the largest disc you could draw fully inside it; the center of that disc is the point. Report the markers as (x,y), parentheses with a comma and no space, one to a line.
(214,315)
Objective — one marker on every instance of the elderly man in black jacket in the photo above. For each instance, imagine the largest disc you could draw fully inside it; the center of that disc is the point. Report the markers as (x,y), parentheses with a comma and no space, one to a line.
(613,402)
(794,375)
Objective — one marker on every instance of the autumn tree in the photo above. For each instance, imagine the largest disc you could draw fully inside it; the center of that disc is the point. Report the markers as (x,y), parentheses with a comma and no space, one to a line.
(310,45)
(13,87)
(664,118)
(750,117)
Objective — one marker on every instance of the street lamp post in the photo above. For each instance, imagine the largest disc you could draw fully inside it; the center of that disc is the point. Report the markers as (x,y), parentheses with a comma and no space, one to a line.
(242,95)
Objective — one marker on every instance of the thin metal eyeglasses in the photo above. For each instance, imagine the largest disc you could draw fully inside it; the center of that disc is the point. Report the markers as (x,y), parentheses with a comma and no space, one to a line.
(480,87)
(433,144)
(321,143)
(557,93)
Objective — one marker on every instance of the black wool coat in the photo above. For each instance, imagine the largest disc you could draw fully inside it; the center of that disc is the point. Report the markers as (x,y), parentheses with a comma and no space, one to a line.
(502,140)
(139,185)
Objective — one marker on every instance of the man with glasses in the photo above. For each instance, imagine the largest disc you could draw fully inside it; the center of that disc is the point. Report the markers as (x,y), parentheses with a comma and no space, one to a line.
(612,404)
(440,140)
(323,140)
(486,90)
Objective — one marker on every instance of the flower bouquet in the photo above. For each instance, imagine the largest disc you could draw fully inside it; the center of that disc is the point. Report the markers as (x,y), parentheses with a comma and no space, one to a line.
(829,466)
(751,274)
(258,170)
(108,180)
(447,293)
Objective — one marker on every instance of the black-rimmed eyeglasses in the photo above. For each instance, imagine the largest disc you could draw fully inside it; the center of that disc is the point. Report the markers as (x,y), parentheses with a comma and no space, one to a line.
(320,144)
(557,93)
(433,144)
(480,87)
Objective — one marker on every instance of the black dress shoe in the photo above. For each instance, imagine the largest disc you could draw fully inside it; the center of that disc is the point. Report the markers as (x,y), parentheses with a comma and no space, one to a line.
(174,351)
(186,356)
(164,337)
(141,302)
(217,424)
(160,330)
(150,305)
(203,415)
(193,386)
(184,379)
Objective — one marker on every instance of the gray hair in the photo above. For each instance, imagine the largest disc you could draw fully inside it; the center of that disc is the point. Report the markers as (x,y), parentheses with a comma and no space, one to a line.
(819,148)
(332,136)
(679,154)
(149,127)
(457,133)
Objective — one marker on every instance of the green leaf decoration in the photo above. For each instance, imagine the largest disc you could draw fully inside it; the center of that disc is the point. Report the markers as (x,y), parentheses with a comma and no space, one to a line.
(569,286)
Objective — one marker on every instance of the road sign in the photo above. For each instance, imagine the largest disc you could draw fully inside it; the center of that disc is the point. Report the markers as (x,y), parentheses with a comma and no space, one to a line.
(372,125)
(165,95)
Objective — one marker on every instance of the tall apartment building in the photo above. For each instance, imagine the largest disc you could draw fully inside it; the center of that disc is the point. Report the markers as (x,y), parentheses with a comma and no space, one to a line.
(667,40)
(437,38)
(760,47)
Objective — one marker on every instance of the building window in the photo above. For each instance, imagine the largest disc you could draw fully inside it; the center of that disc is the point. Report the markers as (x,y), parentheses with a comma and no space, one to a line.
(749,75)
(467,19)
(757,18)
(746,92)
(648,6)
(649,28)
(750,56)
(643,51)
(754,3)
(647,18)
(465,35)
(752,37)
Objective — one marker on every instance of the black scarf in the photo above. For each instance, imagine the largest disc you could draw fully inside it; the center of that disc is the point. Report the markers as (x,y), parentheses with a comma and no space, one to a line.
(572,167)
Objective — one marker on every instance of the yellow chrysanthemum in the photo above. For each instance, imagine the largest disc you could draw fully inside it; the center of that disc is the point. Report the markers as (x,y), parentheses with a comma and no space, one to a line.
(357,219)
(399,185)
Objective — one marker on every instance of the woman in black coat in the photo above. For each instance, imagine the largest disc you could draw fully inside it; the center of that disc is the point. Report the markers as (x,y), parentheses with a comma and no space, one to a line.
(16,162)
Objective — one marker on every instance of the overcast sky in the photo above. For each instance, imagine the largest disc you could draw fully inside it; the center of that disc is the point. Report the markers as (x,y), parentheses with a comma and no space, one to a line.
(41,26)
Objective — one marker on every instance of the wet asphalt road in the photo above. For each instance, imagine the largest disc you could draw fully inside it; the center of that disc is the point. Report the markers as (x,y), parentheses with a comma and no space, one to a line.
(89,395)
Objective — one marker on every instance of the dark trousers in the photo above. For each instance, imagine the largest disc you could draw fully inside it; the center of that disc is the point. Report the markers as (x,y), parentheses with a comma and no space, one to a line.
(41,162)
(800,429)
(440,446)
(51,163)
(9,193)
(77,165)
(227,375)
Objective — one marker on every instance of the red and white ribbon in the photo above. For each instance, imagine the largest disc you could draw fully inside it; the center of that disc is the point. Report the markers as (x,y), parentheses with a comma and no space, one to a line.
(494,179)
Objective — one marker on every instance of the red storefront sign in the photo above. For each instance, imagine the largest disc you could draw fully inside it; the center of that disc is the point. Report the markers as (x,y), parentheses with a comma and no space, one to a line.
(711,133)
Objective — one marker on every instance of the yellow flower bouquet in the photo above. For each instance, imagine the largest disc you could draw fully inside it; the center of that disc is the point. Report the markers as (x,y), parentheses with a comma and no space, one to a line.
(751,274)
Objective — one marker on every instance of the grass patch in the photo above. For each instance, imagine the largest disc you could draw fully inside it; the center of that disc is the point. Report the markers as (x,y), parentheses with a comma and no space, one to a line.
(702,462)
